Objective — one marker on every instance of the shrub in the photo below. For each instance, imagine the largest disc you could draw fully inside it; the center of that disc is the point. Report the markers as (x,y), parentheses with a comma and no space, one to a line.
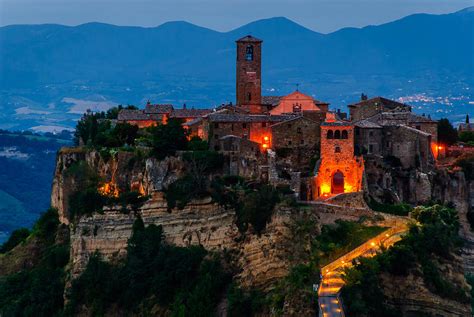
(257,208)
(16,237)
(244,302)
(168,138)
(181,279)
(401,209)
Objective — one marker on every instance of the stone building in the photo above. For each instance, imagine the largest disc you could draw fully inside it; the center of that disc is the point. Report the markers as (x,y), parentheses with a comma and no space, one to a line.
(249,74)
(338,170)
(410,138)
(159,114)
(367,108)
(297,102)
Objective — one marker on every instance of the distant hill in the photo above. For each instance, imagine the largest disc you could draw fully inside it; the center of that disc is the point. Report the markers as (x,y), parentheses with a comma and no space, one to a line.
(182,62)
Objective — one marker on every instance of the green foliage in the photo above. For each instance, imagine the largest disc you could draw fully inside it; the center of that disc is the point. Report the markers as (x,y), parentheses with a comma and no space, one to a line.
(470,280)
(183,190)
(466,136)
(434,238)
(95,130)
(86,202)
(401,209)
(467,165)
(447,134)
(340,238)
(197,144)
(38,291)
(16,237)
(257,208)
(243,302)
(168,138)
(113,112)
(181,279)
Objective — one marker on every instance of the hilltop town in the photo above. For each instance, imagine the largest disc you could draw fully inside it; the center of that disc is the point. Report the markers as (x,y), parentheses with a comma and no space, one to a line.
(269,206)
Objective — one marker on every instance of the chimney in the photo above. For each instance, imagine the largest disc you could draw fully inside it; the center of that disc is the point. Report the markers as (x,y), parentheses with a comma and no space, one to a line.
(184,106)
(467,119)
(363,97)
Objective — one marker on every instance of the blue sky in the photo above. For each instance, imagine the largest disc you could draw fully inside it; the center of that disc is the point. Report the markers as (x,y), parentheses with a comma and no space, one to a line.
(223,15)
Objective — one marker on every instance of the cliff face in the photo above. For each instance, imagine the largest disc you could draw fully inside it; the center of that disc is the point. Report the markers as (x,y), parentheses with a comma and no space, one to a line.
(264,259)
(411,295)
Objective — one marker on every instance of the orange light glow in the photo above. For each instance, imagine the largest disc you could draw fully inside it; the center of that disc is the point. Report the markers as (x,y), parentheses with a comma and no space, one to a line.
(109,189)
(265,138)
(265,146)
(440,147)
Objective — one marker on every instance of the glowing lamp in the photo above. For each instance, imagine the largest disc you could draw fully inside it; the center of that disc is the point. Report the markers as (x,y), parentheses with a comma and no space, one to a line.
(265,146)
(265,138)
(440,147)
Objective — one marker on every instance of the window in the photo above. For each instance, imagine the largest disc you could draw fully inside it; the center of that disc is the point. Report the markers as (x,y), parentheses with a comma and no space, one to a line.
(289,142)
(232,127)
(298,130)
(387,144)
(289,125)
(337,134)
(357,131)
(216,136)
(249,96)
(249,53)
(216,125)
(337,149)
(371,133)
(330,134)
(418,127)
(302,142)
(244,125)
(371,149)
(296,107)
(344,134)
(264,124)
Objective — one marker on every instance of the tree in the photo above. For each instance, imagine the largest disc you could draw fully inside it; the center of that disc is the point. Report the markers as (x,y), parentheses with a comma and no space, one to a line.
(168,138)
(447,134)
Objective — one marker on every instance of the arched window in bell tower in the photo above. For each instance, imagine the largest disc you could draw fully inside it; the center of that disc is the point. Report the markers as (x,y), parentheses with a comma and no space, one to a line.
(249,53)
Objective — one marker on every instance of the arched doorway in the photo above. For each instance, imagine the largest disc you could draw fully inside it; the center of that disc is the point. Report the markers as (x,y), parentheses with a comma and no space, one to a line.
(337,183)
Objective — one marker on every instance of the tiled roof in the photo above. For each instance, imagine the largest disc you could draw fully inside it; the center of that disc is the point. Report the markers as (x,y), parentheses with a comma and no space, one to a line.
(158,108)
(293,118)
(249,38)
(336,124)
(271,100)
(367,124)
(396,118)
(230,117)
(137,115)
(189,113)
(381,101)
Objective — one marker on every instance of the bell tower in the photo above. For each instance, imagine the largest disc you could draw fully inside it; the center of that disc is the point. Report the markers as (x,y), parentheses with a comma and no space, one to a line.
(249,74)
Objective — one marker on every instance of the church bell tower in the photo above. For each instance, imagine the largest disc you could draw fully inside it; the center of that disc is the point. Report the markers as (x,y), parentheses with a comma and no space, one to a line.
(249,74)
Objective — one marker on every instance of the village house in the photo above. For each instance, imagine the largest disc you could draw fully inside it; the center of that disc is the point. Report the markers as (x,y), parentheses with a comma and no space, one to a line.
(295,139)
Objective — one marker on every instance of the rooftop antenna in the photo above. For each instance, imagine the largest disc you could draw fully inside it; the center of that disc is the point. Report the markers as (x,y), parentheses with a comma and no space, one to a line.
(297,87)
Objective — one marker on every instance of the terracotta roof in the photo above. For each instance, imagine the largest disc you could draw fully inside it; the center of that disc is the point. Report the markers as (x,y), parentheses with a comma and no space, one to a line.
(230,117)
(249,38)
(189,113)
(381,101)
(271,100)
(158,108)
(137,115)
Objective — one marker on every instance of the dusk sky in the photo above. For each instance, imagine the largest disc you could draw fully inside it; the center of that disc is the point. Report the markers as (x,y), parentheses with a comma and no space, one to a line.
(222,15)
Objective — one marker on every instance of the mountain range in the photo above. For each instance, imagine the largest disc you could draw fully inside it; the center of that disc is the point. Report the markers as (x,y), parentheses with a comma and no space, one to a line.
(51,73)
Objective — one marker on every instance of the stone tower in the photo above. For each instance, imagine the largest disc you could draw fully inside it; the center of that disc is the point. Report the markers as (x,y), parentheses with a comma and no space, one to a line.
(249,74)
(339,170)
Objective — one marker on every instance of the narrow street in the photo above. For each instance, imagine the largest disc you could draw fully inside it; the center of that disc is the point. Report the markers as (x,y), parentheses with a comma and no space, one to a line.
(332,282)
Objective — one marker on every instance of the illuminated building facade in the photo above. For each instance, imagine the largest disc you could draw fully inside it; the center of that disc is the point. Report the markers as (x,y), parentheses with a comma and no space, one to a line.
(339,171)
